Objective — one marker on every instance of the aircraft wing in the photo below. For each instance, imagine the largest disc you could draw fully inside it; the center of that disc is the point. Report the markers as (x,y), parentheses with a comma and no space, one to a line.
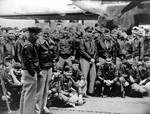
(43,9)
(54,16)
(131,5)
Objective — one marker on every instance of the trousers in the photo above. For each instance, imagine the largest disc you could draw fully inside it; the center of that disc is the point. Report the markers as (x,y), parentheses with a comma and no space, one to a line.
(28,95)
(42,88)
(88,68)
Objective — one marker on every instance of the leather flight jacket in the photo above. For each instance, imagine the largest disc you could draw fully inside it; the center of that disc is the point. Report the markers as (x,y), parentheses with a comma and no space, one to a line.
(30,59)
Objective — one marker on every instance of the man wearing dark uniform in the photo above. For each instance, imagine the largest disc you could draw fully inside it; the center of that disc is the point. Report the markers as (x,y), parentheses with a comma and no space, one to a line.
(30,66)
(45,47)
(88,54)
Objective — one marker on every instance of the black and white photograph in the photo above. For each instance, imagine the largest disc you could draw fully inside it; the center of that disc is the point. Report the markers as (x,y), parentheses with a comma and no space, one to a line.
(74,56)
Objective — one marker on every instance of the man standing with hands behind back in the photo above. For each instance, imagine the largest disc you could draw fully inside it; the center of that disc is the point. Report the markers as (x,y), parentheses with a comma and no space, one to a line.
(30,64)
(46,48)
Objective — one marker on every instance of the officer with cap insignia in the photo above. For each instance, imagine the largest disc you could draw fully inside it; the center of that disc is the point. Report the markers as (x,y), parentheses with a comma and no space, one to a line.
(88,53)
(30,67)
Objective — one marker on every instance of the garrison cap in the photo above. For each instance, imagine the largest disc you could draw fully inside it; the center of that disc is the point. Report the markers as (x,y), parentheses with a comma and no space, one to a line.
(35,30)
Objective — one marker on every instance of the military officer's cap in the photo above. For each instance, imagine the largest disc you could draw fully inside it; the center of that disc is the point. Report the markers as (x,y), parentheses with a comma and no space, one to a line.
(35,30)
(89,29)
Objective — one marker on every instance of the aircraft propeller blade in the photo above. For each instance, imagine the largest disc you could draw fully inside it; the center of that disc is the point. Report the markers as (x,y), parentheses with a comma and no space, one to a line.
(131,5)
